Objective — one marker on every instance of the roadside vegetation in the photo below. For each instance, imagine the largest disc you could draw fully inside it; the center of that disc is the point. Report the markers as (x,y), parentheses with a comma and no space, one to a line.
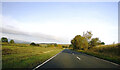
(107,52)
(16,55)
(93,46)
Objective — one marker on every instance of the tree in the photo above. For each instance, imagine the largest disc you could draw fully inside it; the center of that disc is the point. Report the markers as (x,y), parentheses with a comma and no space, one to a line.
(94,42)
(37,44)
(87,35)
(78,42)
(4,39)
(81,42)
(70,46)
(33,44)
(102,43)
(12,41)
(55,45)
(63,46)
(85,43)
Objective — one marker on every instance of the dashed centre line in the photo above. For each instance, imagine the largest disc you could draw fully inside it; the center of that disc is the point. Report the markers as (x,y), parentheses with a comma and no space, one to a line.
(73,53)
(78,58)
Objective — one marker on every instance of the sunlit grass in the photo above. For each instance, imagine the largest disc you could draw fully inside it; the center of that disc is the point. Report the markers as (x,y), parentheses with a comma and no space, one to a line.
(26,57)
(108,52)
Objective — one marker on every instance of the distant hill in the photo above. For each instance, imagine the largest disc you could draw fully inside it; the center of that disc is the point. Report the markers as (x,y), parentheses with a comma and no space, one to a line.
(47,43)
(19,41)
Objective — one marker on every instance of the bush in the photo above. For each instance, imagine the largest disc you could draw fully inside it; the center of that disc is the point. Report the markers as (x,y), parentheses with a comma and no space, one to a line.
(33,44)
(4,39)
(64,46)
(12,41)
(37,44)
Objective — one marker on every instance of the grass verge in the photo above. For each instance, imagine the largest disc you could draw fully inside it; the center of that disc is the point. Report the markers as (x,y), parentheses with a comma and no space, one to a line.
(26,57)
(107,52)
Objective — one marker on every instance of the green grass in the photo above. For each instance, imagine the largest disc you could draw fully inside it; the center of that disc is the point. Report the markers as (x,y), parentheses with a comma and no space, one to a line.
(26,56)
(107,52)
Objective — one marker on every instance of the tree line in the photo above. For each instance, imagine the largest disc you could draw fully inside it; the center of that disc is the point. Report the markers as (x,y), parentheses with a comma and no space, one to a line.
(85,41)
(5,40)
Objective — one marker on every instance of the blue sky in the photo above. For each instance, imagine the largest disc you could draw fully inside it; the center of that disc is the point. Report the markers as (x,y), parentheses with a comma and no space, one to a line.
(60,21)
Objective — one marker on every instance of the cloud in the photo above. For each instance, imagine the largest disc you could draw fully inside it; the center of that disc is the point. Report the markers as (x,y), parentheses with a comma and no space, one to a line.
(12,30)
(25,36)
(60,31)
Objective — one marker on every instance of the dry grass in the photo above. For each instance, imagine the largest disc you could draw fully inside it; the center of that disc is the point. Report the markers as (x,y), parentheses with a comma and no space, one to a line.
(25,56)
(108,52)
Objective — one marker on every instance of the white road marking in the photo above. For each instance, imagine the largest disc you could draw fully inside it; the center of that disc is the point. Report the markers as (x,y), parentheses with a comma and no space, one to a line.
(78,58)
(102,59)
(46,61)
(73,53)
(108,61)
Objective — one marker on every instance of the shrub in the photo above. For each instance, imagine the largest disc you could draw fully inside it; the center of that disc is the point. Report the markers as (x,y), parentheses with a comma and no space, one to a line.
(12,41)
(4,39)
(33,44)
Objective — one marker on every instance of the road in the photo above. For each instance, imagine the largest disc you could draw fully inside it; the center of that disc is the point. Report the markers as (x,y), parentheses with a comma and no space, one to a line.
(71,59)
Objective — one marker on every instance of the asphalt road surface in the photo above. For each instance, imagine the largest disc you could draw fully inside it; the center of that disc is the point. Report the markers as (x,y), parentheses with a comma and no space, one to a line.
(71,59)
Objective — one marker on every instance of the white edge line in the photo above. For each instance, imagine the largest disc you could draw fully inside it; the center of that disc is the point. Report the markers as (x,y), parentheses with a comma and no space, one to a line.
(46,61)
(103,60)
(108,61)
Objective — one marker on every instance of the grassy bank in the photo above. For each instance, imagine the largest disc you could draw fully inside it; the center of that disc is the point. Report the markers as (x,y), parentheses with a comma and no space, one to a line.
(107,52)
(26,56)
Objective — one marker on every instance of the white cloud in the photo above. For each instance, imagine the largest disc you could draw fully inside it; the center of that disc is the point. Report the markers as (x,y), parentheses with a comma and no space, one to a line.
(60,31)
(20,31)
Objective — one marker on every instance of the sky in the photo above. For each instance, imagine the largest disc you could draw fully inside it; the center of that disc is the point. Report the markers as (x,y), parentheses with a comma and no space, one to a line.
(59,22)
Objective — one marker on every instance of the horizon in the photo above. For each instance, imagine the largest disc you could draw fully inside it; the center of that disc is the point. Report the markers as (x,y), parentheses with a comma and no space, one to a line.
(54,22)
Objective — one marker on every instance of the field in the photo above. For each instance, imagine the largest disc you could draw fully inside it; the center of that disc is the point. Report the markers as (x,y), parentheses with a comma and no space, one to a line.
(108,52)
(25,56)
